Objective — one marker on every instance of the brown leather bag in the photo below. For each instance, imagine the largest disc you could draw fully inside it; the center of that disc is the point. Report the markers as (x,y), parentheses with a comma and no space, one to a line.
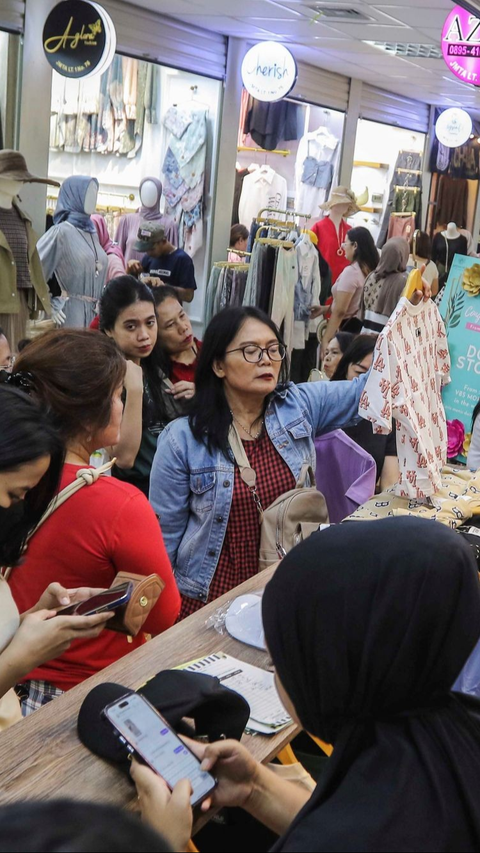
(288,520)
(130,618)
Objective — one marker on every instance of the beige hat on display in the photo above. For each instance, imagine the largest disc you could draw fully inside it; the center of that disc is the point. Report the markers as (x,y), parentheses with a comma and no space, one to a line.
(342,195)
(13,167)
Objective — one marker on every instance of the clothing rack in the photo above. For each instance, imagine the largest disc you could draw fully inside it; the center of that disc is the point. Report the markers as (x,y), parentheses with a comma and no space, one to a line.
(231,265)
(282,152)
(267,220)
(407,213)
(274,241)
(239,252)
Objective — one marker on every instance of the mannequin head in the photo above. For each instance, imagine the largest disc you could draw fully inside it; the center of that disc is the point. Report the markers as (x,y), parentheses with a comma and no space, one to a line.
(338,211)
(150,192)
(9,188)
(452,230)
(91,197)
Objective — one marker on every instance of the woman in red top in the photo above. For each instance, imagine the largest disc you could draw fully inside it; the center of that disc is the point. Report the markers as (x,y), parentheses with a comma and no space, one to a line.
(176,340)
(102,529)
(332,230)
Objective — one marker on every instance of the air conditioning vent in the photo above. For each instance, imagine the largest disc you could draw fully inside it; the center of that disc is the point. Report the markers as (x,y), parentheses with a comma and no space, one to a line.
(339,14)
(418,51)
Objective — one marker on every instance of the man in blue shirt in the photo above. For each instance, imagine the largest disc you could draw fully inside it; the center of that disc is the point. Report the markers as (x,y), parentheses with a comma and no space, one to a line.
(162,262)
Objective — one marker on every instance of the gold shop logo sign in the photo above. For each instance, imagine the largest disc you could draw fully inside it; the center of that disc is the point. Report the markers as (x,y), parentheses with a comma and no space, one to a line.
(79,38)
(56,43)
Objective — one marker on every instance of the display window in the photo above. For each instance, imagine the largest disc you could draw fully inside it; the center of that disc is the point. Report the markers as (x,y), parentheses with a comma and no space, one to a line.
(388,162)
(288,158)
(136,121)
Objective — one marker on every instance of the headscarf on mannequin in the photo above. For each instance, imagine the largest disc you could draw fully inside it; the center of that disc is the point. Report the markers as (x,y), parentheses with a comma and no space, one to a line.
(71,203)
(154,211)
(368,625)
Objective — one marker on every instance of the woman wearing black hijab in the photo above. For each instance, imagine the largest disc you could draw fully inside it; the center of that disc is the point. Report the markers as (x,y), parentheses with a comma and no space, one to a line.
(368,626)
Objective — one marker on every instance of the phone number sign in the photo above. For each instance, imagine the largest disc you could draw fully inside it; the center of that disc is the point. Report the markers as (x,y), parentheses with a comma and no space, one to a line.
(461,45)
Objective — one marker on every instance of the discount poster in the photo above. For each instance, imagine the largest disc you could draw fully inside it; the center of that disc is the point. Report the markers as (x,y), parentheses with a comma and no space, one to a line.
(460,309)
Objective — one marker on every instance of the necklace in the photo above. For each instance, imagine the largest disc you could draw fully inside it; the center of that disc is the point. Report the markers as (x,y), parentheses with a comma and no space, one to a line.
(248,431)
(98,265)
(340,251)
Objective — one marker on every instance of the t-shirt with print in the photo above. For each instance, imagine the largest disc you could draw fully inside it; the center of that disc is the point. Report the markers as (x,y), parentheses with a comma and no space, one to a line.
(411,363)
(175,269)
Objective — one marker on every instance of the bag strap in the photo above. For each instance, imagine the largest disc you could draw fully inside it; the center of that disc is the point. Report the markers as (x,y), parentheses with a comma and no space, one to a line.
(247,473)
(302,478)
(83,477)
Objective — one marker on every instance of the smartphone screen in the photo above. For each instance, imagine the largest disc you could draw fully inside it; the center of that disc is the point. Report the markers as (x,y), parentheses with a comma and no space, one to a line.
(108,599)
(152,738)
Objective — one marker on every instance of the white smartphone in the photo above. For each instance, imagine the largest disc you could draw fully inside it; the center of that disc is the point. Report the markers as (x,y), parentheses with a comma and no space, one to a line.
(146,733)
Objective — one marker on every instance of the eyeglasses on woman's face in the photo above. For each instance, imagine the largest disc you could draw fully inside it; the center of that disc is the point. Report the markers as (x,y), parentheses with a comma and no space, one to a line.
(254,354)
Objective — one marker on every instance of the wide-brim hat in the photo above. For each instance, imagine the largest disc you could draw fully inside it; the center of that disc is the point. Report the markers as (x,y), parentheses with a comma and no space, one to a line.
(342,195)
(14,167)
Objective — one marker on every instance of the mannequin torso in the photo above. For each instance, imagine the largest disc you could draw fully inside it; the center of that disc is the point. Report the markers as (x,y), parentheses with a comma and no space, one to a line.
(331,232)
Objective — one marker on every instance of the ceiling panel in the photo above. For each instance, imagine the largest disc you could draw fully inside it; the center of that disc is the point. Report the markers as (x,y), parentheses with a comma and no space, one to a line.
(339,46)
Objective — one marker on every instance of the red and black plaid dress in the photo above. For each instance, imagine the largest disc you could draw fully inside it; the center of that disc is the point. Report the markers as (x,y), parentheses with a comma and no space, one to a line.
(239,558)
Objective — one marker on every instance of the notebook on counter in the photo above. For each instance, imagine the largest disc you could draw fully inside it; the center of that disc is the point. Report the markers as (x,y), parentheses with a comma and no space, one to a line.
(257,686)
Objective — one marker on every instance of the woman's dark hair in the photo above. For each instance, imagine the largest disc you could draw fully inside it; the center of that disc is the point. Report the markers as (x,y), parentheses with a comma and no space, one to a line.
(26,435)
(74,373)
(210,417)
(421,244)
(161,294)
(238,232)
(65,825)
(344,340)
(119,294)
(366,254)
(360,347)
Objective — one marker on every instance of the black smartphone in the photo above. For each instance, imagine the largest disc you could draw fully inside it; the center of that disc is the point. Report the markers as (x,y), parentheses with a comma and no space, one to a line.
(148,735)
(108,599)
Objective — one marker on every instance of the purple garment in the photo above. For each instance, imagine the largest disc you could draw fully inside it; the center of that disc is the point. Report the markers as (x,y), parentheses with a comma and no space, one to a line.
(128,226)
(346,474)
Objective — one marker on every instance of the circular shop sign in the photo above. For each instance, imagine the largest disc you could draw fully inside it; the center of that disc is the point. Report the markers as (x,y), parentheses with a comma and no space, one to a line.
(461,45)
(79,39)
(453,127)
(269,71)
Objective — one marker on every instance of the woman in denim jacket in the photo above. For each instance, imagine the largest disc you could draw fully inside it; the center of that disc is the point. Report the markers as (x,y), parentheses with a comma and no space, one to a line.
(210,522)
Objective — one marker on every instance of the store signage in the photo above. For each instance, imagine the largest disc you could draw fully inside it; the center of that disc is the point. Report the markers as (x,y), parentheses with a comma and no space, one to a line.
(460,309)
(79,39)
(461,45)
(269,71)
(453,127)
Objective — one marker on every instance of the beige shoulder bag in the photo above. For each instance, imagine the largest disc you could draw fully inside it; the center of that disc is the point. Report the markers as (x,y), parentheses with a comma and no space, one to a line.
(290,518)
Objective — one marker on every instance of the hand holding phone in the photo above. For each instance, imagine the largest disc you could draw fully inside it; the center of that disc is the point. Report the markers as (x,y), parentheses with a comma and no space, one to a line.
(147,735)
(102,602)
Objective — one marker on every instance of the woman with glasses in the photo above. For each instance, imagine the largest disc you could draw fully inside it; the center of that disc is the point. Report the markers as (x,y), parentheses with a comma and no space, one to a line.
(209,518)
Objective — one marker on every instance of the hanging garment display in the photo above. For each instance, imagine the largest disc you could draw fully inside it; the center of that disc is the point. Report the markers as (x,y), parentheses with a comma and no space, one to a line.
(240,174)
(315,170)
(268,123)
(444,250)
(184,171)
(283,296)
(307,291)
(226,287)
(401,226)
(452,201)
(411,363)
(263,188)
(405,195)
(105,114)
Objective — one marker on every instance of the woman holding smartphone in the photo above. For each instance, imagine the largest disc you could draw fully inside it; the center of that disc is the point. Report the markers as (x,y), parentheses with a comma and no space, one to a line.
(31,456)
(104,528)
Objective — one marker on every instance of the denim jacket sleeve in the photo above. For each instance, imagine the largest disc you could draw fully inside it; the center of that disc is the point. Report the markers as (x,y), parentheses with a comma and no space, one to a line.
(332,405)
(170,492)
